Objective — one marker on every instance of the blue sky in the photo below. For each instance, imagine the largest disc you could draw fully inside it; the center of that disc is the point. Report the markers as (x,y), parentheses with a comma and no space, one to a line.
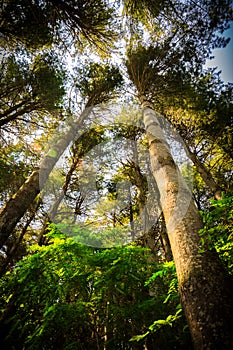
(224,58)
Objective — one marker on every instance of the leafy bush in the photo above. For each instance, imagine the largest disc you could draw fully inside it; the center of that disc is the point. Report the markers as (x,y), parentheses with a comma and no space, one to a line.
(67,295)
(218,229)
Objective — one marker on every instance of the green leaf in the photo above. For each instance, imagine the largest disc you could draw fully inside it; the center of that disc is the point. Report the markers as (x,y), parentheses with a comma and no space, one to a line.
(139,337)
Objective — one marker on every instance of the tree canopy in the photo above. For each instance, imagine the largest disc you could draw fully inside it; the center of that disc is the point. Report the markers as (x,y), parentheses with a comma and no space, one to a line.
(115,176)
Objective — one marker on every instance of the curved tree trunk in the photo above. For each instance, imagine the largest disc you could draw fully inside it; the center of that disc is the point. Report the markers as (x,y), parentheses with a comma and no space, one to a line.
(16,207)
(204,289)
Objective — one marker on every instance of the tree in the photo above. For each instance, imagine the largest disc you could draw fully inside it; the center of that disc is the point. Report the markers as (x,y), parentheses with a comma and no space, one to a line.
(101,86)
(88,298)
(183,222)
(78,295)
(80,148)
(25,88)
(50,21)
(201,113)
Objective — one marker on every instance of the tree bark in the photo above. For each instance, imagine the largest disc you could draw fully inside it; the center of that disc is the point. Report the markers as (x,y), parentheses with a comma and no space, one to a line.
(204,288)
(16,207)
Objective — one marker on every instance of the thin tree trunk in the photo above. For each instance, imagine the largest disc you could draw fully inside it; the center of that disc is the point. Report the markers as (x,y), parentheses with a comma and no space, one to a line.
(165,240)
(131,216)
(54,208)
(204,172)
(16,207)
(82,146)
(163,236)
(204,288)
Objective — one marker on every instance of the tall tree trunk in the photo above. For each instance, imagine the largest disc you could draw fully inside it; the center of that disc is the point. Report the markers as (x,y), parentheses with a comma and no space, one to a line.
(16,207)
(204,288)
